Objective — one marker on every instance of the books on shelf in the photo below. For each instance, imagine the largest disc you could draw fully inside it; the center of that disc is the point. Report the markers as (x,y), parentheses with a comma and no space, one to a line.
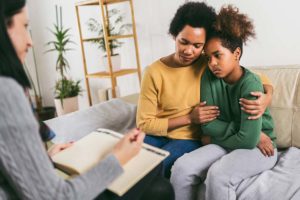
(106,94)
(91,149)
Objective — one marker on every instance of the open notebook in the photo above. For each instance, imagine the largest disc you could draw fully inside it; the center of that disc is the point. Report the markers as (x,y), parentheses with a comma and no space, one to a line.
(89,150)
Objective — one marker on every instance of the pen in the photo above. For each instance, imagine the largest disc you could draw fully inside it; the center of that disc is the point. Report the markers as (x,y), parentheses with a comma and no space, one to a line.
(146,148)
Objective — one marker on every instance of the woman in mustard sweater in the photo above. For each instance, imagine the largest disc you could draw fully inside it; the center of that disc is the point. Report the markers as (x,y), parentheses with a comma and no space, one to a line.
(232,155)
(169,108)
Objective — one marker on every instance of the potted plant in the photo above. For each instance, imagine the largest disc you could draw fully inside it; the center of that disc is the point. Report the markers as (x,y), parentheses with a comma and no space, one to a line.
(115,27)
(66,89)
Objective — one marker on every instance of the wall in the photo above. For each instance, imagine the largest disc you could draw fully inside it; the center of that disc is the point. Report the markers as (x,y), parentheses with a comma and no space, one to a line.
(277,33)
(277,41)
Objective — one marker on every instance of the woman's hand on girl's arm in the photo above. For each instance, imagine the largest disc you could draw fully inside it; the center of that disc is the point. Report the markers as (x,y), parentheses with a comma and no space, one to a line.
(265,145)
(258,106)
(202,114)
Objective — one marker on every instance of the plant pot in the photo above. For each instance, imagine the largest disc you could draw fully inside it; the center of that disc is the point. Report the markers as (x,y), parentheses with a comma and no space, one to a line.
(116,63)
(46,113)
(67,105)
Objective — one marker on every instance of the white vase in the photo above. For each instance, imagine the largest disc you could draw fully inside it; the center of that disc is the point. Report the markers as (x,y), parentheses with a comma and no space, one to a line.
(116,63)
(67,105)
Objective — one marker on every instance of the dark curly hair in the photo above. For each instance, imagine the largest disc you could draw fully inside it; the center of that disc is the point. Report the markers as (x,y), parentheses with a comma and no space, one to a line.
(195,14)
(233,28)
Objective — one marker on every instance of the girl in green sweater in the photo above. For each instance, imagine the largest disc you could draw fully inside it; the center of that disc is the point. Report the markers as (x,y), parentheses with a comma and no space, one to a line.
(232,154)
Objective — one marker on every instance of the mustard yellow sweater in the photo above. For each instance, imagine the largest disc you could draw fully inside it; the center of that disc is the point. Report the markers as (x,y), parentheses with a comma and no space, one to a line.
(168,92)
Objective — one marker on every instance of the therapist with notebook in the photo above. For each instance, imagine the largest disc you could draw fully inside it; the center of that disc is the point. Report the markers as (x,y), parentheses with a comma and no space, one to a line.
(26,171)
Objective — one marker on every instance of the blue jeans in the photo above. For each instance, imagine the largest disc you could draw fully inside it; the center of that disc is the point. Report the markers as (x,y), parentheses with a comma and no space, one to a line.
(176,147)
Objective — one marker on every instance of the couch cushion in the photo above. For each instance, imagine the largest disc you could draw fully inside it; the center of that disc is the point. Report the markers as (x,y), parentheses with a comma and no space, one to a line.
(285,107)
(115,114)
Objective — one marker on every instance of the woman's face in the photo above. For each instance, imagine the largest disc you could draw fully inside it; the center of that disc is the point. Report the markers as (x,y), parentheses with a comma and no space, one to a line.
(19,34)
(221,61)
(189,45)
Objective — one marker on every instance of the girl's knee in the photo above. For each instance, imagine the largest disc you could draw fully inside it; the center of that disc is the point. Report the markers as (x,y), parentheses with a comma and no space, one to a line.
(215,173)
(183,170)
(179,167)
(220,175)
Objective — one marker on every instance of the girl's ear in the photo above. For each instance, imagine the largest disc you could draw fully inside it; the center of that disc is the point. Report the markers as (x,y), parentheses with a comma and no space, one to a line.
(237,53)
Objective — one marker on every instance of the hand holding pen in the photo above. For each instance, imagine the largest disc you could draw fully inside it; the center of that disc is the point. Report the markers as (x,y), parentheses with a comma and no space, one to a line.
(129,146)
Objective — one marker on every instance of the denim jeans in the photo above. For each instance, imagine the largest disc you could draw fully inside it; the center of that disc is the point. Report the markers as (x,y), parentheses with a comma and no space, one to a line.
(176,147)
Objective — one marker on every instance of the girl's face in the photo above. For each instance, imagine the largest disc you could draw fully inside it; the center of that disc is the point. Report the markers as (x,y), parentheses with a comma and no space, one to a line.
(189,45)
(221,61)
(19,35)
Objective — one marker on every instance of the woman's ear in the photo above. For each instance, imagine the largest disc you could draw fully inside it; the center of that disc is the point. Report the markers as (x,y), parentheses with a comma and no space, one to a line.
(237,53)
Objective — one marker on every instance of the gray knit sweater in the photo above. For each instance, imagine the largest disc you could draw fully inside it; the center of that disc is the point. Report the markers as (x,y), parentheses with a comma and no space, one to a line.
(26,171)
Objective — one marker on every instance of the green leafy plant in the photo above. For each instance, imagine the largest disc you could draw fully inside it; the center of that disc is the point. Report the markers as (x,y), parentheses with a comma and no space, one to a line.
(60,46)
(115,27)
(64,87)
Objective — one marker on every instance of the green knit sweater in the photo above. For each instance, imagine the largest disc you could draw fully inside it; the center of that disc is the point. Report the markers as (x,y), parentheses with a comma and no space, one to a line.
(232,129)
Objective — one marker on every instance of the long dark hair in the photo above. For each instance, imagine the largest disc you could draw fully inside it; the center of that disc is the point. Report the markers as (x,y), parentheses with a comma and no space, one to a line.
(10,64)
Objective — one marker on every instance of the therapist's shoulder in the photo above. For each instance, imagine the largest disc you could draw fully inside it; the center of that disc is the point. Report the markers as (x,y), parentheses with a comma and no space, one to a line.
(9,86)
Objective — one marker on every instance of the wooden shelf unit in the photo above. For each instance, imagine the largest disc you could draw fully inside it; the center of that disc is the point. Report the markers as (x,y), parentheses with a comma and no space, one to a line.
(97,2)
(103,4)
(121,72)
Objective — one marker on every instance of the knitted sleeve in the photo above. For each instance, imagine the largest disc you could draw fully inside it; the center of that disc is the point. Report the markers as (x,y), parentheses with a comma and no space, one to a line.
(24,163)
(147,110)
